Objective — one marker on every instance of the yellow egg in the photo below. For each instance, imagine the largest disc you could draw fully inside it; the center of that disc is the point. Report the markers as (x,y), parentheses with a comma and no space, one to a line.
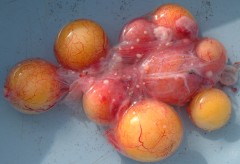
(149,131)
(33,86)
(80,43)
(210,109)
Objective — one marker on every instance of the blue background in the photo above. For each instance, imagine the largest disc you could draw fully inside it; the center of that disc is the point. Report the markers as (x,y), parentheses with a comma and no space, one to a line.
(28,29)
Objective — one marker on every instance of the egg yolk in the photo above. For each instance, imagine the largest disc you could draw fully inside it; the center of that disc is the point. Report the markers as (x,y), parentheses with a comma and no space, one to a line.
(210,109)
(213,57)
(33,86)
(80,43)
(176,18)
(102,100)
(149,131)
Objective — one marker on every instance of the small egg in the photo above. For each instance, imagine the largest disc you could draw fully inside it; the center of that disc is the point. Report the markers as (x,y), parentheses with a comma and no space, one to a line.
(213,56)
(210,109)
(138,30)
(33,86)
(149,131)
(176,18)
(80,43)
(210,49)
(102,100)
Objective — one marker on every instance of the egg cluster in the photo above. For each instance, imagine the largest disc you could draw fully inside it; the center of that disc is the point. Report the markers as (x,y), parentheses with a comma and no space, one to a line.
(133,87)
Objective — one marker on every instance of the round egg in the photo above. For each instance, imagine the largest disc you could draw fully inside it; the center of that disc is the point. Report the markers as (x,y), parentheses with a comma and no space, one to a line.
(33,86)
(210,109)
(213,56)
(176,18)
(80,43)
(103,99)
(148,131)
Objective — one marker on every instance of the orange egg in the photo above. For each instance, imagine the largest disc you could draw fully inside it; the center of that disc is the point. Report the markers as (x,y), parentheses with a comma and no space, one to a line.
(213,55)
(80,43)
(209,49)
(102,101)
(33,86)
(149,131)
(210,109)
(177,18)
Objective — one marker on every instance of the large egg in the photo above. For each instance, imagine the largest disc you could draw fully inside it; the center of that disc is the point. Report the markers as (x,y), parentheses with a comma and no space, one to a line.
(33,86)
(80,43)
(149,131)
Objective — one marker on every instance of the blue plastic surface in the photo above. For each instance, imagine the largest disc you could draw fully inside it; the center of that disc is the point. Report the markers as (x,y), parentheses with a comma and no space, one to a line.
(28,29)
